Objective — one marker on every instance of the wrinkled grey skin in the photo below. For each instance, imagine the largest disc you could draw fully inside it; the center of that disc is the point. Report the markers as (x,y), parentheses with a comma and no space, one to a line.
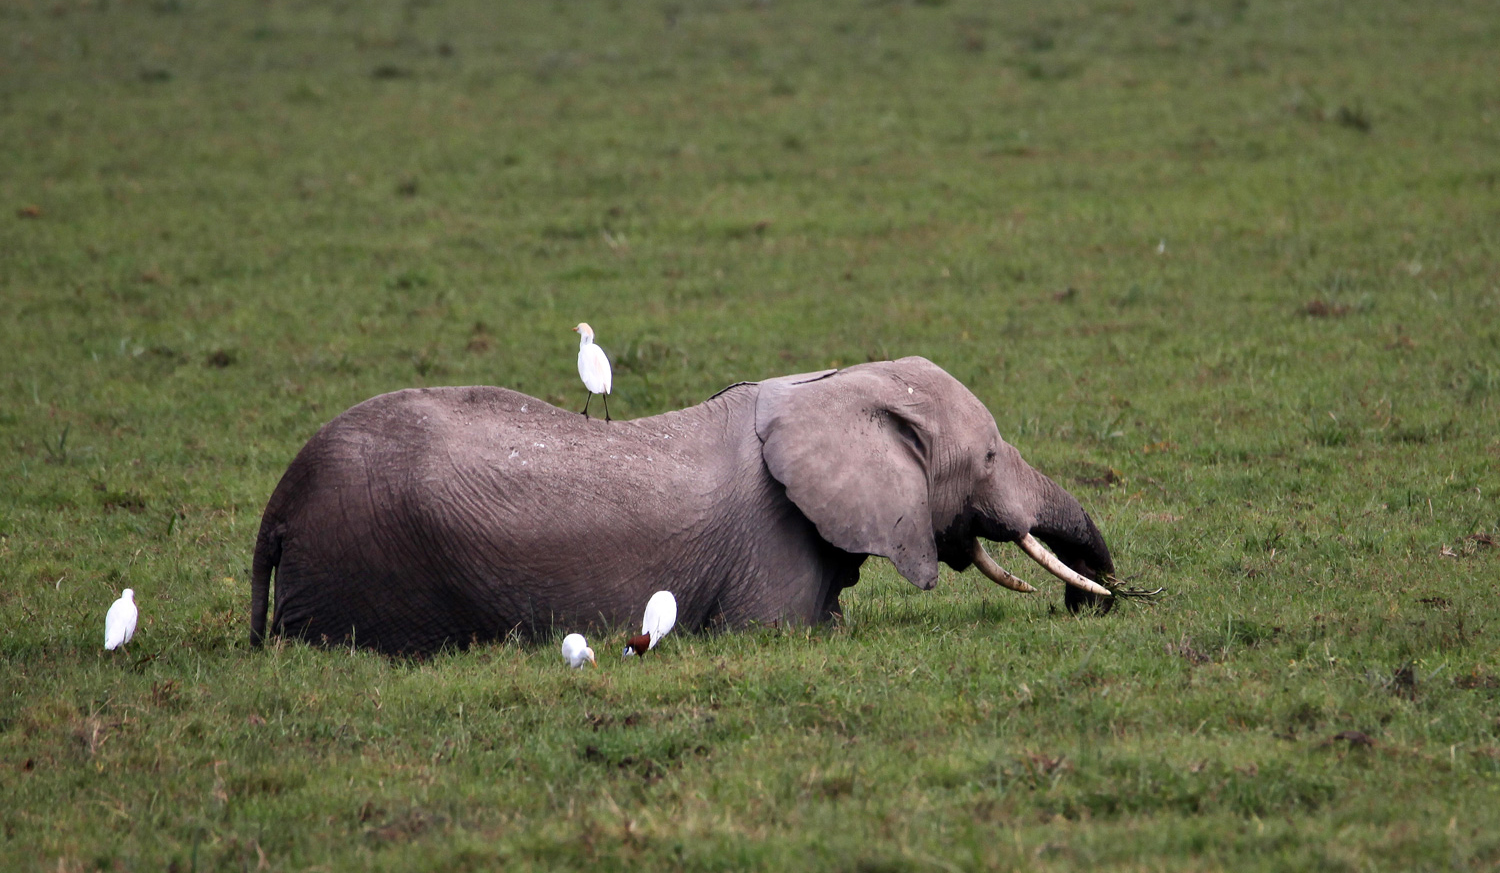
(442,516)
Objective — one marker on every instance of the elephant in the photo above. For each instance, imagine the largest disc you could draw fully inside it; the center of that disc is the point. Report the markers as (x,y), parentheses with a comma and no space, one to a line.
(432,517)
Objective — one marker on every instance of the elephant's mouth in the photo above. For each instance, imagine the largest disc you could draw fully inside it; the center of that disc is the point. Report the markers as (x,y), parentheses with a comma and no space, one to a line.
(1039,553)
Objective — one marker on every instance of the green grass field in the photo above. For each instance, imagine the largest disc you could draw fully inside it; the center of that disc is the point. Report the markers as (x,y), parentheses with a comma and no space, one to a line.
(1229,271)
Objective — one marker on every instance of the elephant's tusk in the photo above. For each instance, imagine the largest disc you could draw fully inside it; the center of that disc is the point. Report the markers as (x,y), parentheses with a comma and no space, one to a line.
(1056,567)
(996,573)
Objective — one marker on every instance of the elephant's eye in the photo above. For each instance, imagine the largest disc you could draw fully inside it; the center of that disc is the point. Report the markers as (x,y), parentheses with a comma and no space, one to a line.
(989,456)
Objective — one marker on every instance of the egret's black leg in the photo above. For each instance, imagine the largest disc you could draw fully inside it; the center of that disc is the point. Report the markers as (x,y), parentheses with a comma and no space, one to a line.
(606,408)
(585,412)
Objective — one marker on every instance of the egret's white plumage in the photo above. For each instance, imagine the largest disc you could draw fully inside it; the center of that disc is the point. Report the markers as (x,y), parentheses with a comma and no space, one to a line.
(593,368)
(661,615)
(575,650)
(119,622)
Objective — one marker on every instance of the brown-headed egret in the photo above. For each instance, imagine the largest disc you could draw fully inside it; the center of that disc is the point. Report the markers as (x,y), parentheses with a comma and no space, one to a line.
(661,614)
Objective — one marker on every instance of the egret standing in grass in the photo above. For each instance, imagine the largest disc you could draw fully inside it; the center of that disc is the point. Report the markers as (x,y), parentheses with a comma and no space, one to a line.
(119,622)
(593,368)
(576,650)
(661,614)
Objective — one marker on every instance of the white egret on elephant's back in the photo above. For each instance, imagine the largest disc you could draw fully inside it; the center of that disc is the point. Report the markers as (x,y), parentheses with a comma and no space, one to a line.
(119,622)
(661,615)
(593,368)
(575,650)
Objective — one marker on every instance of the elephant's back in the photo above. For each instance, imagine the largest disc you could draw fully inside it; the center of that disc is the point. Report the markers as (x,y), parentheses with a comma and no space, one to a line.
(480,423)
(506,448)
(414,416)
(418,433)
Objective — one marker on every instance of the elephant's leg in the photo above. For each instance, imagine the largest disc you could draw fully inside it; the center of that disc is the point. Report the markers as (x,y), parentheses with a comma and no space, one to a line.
(833,611)
(845,574)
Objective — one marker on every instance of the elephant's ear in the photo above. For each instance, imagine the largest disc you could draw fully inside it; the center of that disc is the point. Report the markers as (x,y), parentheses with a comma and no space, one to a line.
(851,451)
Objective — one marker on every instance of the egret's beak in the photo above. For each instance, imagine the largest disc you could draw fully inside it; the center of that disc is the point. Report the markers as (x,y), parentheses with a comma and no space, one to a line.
(592,662)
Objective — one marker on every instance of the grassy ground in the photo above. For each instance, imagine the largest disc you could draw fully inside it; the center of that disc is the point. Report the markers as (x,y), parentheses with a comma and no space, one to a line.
(1227,270)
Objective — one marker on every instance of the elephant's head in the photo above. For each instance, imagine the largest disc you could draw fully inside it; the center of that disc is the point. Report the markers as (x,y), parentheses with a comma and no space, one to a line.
(899,459)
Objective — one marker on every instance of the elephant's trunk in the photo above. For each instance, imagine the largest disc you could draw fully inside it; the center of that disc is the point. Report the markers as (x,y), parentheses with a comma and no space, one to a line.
(1061,523)
(1076,543)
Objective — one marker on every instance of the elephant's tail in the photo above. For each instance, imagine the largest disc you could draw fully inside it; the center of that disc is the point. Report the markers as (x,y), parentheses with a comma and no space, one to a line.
(267,557)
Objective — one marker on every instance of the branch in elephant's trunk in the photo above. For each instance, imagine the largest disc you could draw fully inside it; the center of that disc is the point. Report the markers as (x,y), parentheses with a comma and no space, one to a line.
(1031,546)
(995,573)
(1118,588)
